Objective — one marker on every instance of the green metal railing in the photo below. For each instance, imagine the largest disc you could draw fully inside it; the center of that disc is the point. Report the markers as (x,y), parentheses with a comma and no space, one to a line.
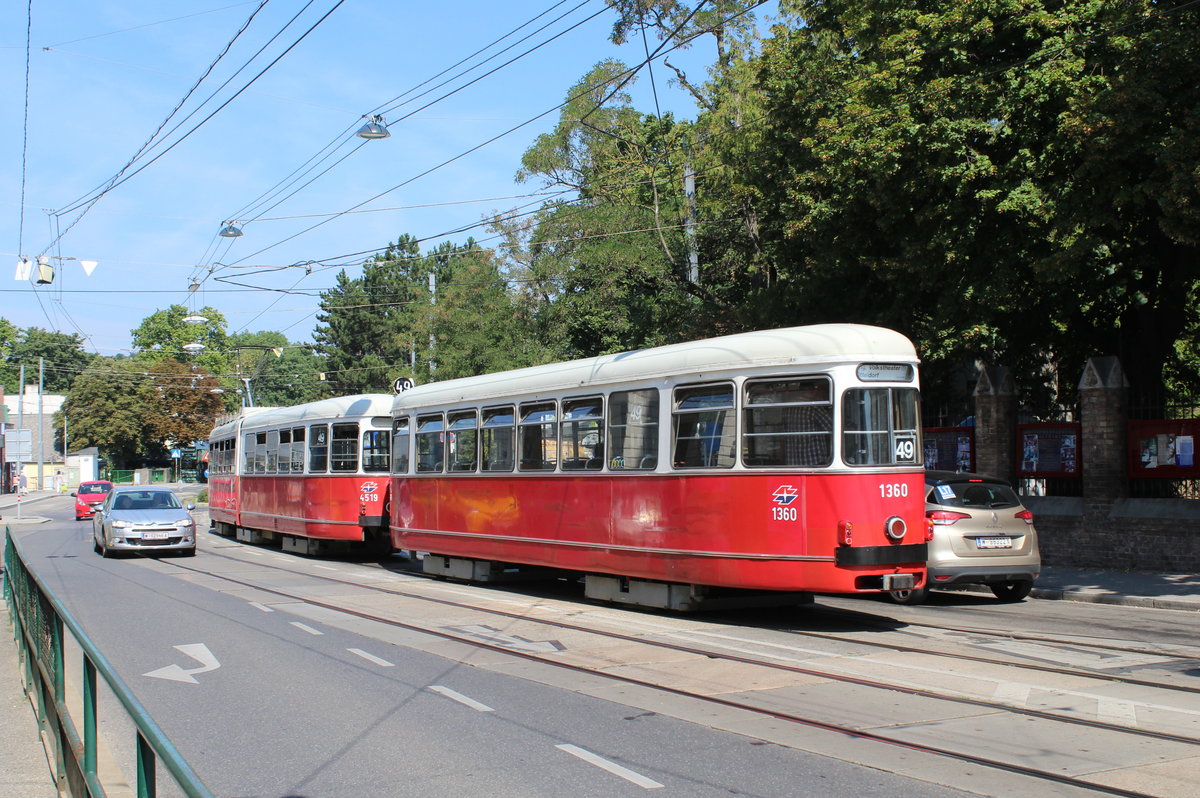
(39,621)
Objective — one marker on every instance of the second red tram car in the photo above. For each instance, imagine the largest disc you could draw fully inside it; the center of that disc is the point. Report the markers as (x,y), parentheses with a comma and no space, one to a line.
(777,460)
(312,476)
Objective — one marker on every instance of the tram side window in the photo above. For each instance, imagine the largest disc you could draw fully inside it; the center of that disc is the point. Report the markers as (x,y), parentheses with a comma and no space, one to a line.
(703,426)
(496,439)
(260,453)
(582,441)
(375,443)
(285,451)
(318,449)
(633,430)
(881,426)
(463,440)
(431,443)
(248,454)
(788,423)
(297,450)
(400,446)
(539,437)
(343,448)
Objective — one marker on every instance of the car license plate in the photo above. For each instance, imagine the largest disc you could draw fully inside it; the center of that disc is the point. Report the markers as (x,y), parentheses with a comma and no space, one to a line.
(155,535)
(994,543)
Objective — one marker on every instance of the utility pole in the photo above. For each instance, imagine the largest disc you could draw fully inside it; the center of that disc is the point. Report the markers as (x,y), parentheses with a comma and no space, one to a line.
(432,337)
(689,224)
(41,436)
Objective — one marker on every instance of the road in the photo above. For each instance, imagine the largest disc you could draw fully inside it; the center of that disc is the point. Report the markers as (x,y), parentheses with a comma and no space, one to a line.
(280,675)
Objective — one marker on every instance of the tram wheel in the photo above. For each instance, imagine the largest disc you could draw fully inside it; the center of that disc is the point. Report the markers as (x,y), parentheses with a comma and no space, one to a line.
(916,595)
(1012,591)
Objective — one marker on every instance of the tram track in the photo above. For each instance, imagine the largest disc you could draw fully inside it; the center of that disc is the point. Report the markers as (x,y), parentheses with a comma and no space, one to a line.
(1006,634)
(1028,666)
(713,654)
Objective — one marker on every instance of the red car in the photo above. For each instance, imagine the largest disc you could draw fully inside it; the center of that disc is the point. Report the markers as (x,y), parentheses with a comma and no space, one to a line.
(88,496)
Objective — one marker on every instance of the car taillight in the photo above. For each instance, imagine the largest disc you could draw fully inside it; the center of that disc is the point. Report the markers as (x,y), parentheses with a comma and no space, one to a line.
(944,517)
(1025,516)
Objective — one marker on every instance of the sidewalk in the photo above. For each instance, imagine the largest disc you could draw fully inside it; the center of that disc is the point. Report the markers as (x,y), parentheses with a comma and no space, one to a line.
(25,771)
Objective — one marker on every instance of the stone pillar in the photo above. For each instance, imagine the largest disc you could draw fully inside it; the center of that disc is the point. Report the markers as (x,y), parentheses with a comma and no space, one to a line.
(1103,398)
(996,423)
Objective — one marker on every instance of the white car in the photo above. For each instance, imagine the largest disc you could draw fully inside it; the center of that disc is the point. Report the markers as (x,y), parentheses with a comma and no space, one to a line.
(145,519)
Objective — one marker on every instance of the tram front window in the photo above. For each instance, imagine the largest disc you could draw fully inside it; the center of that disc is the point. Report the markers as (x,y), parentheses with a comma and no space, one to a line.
(881,426)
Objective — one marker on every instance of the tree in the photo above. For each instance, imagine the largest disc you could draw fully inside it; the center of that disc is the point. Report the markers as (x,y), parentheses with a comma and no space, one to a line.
(60,355)
(107,408)
(1002,181)
(164,334)
(182,407)
(281,373)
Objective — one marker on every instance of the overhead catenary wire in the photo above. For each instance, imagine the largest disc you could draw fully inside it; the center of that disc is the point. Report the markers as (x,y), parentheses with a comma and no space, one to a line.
(196,127)
(256,209)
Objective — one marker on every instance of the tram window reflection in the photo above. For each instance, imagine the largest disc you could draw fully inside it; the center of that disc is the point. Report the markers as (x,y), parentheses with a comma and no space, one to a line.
(496,439)
(431,446)
(633,430)
(704,426)
(539,437)
(343,448)
(318,449)
(788,422)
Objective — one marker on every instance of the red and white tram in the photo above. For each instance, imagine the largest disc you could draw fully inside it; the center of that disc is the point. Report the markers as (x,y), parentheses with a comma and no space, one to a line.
(308,476)
(778,460)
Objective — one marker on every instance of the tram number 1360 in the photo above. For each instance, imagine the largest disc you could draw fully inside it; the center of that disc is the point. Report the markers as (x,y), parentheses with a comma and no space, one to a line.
(784,514)
(893,490)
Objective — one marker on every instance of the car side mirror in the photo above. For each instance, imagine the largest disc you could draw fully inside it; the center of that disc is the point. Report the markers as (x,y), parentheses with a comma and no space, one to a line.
(191,505)
(73,493)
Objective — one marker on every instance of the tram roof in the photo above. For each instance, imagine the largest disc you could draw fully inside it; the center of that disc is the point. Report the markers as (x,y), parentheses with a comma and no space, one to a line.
(365,405)
(826,344)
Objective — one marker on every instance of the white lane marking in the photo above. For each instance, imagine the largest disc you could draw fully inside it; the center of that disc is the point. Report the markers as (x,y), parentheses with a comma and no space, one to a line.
(306,628)
(454,695)
(371,658)
(1121,713)
(611,767)
(324,567)
(255,553)
(262,607)
(176,673)
(690,636)
(1012,693)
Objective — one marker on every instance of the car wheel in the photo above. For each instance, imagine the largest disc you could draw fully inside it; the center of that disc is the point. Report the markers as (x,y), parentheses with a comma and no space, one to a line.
(1012,591)
(95,544)
(188,552)
(916,595)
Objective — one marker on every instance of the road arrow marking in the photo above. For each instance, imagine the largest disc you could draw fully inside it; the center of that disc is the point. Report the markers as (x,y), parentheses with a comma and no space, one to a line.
(510,641)
(198,652)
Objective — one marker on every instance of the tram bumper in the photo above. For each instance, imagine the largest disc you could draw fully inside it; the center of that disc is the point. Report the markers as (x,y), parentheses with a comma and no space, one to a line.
(912,553)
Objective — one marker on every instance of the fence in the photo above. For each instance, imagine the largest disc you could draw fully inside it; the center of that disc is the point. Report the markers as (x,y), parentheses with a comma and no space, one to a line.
(84,765)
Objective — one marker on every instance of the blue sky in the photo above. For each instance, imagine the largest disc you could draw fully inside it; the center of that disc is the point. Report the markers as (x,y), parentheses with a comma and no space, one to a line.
(103,74)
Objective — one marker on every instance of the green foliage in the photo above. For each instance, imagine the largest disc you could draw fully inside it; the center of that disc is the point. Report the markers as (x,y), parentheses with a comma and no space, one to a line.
(1002,181)
(60,356)
(164,334)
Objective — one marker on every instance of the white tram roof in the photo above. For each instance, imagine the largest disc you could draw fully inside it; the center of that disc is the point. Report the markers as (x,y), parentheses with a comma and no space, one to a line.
(818,344)
(358,406)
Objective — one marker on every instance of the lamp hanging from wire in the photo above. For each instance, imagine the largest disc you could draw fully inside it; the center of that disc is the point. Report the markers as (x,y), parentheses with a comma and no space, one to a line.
(230,230)
(373,129)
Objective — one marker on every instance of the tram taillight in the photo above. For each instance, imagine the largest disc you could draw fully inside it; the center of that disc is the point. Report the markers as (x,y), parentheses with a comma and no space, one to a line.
(845,533)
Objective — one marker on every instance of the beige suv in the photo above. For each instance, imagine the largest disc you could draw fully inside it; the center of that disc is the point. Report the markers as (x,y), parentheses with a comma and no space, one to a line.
(981,535)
